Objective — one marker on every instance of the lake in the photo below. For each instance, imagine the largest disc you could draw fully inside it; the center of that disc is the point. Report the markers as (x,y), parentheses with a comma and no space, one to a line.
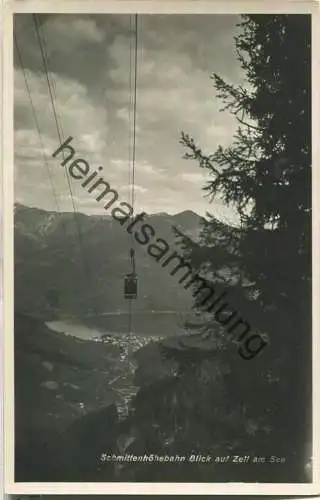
(146,324)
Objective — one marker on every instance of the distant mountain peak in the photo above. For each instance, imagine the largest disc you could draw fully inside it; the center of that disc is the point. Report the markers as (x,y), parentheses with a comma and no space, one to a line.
(160,214)
(186,213)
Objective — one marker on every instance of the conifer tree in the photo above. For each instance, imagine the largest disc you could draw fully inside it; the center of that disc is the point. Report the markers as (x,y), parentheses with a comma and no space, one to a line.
(266,175)
(224,404)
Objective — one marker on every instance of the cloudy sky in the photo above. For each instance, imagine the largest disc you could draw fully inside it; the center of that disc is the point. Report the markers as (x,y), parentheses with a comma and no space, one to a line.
(89,60)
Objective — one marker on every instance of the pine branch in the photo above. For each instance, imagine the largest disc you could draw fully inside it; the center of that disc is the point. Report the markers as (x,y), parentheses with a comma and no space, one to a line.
(259,129)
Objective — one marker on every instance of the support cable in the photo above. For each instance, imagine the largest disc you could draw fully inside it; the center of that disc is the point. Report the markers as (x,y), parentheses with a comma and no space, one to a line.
(36,122)
(44,58)
(132,150)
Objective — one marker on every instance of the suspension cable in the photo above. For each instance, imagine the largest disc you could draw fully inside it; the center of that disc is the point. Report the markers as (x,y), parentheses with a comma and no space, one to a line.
(132,150)
(60,137)
(53,86)
(52,93)
(132,126)
(134,110)
(132,129)
(36,122)
(130,116)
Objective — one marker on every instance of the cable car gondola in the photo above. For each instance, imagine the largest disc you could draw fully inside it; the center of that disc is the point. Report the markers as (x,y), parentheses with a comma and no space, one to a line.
(130,286)
(131,280)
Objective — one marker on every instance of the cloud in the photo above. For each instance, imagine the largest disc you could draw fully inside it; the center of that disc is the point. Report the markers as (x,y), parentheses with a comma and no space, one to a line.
(79,118)
(146,170)
(194,177)
(128,188)
(67,33)
(124,114)
(76,112)
(90,62)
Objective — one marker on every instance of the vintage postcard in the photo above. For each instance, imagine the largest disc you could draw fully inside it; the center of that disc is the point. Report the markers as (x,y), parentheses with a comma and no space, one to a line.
(161,247)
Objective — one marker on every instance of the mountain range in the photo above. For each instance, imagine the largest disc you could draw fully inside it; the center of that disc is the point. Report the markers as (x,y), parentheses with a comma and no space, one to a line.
(67,263)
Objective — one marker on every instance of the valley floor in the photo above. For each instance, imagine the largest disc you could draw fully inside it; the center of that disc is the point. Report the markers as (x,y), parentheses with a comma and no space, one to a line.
(77,399)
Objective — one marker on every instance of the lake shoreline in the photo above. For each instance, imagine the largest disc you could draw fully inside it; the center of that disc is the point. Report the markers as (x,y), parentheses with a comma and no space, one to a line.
(128,345)
(143,324)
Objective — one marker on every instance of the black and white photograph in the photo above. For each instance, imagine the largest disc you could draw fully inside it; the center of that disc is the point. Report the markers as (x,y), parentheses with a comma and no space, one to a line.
(162,245)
